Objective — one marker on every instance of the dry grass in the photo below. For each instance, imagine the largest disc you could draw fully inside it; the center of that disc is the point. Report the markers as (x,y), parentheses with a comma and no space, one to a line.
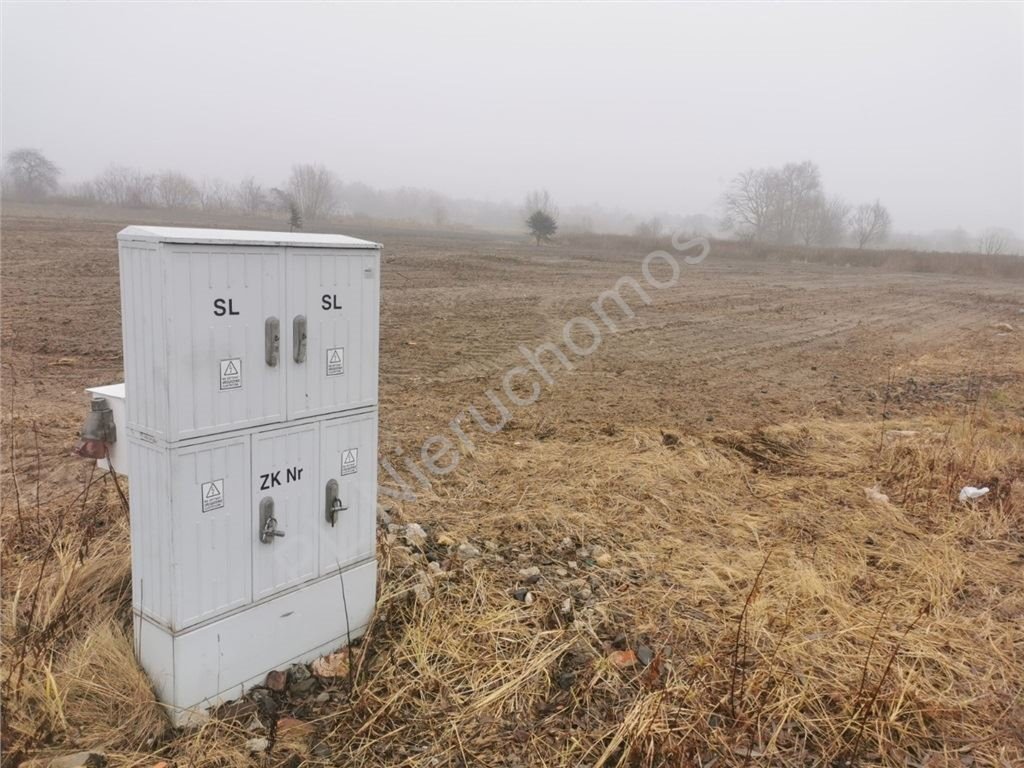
(887,259)
(1005,265)
(793,619)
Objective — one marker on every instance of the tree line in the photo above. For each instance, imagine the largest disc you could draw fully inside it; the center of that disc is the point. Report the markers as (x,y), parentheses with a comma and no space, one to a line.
(310,189)
(788,205)
(310,193)
(785,206)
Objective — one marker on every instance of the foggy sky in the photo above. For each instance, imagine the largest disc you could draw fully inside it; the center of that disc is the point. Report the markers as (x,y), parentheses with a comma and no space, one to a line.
(650,108)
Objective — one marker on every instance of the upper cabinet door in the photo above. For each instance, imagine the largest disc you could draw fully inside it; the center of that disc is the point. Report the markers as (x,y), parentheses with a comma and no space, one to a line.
(331,328)
(225,323)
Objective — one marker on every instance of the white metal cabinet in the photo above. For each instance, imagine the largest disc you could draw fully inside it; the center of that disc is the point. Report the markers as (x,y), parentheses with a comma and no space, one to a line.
(238,414)
(348,457)
(284,484)
(210,529)
(332,295)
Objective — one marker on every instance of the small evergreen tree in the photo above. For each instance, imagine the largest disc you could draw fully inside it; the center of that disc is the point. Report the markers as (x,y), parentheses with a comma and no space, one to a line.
(541,215)
(542,226)
(289,203)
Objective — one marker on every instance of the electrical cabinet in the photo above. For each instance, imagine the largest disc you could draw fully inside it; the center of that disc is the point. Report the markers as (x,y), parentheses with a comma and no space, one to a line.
(250,400)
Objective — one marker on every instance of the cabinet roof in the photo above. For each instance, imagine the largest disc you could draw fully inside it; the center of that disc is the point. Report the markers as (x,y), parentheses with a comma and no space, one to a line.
(240,237)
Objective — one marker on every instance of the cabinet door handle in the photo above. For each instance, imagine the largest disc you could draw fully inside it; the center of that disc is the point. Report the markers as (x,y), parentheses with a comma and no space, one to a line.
(332,504)
(268,523)
(299,338)
(272,339)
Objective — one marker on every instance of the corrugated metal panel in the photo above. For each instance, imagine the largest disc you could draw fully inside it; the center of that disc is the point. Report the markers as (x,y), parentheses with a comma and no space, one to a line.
(151,531)
(212,529)
(220,300)
(284,469)
(338,293)
(144,336)
(239,236)
(353,537)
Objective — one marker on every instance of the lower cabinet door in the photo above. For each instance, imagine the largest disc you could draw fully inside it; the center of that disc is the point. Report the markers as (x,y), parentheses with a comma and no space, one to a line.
(348,490)
(284,509)
(210,530)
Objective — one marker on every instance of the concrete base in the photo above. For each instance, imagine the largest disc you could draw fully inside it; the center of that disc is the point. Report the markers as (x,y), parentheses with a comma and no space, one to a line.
(219,660)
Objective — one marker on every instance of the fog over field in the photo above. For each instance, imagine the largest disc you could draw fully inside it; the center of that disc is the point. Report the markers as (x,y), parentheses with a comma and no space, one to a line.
(650,109)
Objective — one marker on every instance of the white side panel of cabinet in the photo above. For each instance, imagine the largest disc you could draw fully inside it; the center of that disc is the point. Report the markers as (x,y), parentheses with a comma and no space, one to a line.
(338,294)
(212,529)
(151,529)
(284,469)
(144,336)
(219,299)
(348,455)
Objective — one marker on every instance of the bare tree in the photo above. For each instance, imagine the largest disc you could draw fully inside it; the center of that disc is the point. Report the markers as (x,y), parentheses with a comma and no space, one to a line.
(29,174)
(313,189)
(870,223)
(215,195)
(748,204)
(993,242)
(824,221)
(541,215)
(125,187)
(176,190)
(774,203)
(794,193)
(84,192)
(251,197)
(834,222)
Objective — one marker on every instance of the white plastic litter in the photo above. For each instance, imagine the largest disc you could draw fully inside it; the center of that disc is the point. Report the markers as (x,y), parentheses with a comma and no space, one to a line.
(970,493)
(876,496)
